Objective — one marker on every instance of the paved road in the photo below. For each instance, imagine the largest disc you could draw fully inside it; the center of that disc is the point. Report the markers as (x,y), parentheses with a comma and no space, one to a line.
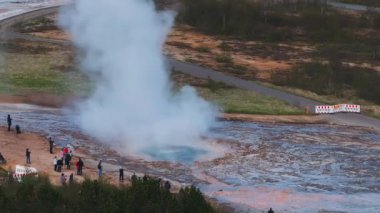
(201,72)
(355,7)
(345,118)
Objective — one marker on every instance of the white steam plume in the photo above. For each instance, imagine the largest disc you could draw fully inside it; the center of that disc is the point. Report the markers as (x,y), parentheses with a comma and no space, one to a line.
(132,105)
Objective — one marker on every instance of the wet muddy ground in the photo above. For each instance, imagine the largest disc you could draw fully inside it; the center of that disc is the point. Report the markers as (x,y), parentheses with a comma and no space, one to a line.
(292,168)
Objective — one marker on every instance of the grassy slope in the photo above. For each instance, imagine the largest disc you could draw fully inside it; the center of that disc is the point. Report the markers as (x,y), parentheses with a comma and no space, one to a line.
(37,67)
(337,36)
(234,100)
(33,71)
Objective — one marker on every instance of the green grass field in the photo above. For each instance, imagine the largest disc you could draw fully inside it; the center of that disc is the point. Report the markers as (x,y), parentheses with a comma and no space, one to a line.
(37,67)
(367,108)
(234,100)
(30,71)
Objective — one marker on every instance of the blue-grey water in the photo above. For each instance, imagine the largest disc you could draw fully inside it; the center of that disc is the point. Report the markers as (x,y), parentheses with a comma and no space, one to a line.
(322,159)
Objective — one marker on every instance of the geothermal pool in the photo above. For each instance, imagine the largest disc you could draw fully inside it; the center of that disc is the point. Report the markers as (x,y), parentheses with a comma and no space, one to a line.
(291,168)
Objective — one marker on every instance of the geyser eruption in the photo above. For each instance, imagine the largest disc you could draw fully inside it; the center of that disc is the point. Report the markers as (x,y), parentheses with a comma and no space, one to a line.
(133,105)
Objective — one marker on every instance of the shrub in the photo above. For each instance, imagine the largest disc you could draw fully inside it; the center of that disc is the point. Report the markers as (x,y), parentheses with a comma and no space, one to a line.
(334,79)
(224,58)
(38,195)
(202,49)
(247,19)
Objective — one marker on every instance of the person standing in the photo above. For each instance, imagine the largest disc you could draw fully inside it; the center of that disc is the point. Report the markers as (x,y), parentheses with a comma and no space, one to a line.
(80,165)
(100,168)
(51,143)
(65,151)
(18,129)
(27,154)
(270,210)
(59,165)
(167,185)
(68,160)
(55,163)
(71,178)
(2,159)
(121,174)
(9,121)
(61,155)
(63,179)
(134,178)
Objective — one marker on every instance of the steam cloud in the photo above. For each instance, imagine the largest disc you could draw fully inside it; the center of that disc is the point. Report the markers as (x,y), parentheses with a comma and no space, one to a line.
(133,105)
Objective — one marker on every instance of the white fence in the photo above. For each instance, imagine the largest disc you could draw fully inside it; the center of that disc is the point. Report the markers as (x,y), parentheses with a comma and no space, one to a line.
(330,109)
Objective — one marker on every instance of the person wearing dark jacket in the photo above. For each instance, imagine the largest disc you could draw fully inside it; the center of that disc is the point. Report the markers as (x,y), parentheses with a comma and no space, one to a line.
(2,159)
(27,154)
(68,160)
(18,129)
(167,185)
(9,121)
(80,165)
(59,165)
(71,178)
(51,143)
(100,168)
(121,174)
(270,210)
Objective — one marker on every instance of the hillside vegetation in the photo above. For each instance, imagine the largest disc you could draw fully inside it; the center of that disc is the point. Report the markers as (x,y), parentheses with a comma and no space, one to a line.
(278,22)
(342,42)
(370,3)
(38,195)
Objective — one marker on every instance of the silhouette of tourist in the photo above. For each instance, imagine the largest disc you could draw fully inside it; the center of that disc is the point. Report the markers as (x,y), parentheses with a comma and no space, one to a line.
(71,178)
(55,161)
(167,185)
(2,159)
(270,210)
(121,174)
(100,168)
(134,177)
(27,154)
(9,121)
(80,165)
(51,143)
(18,129)
(68,160)
(63,179)
(59,165)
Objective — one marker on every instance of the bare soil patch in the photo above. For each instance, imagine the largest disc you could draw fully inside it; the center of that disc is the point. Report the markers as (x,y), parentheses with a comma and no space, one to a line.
(249,59)
(13,148)
(295,119)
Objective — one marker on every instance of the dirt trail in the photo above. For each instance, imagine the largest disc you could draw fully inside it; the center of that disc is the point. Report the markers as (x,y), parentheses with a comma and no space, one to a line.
(13,148)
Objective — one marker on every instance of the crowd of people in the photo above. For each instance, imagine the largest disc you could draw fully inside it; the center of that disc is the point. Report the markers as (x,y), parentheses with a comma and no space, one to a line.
(65,157)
